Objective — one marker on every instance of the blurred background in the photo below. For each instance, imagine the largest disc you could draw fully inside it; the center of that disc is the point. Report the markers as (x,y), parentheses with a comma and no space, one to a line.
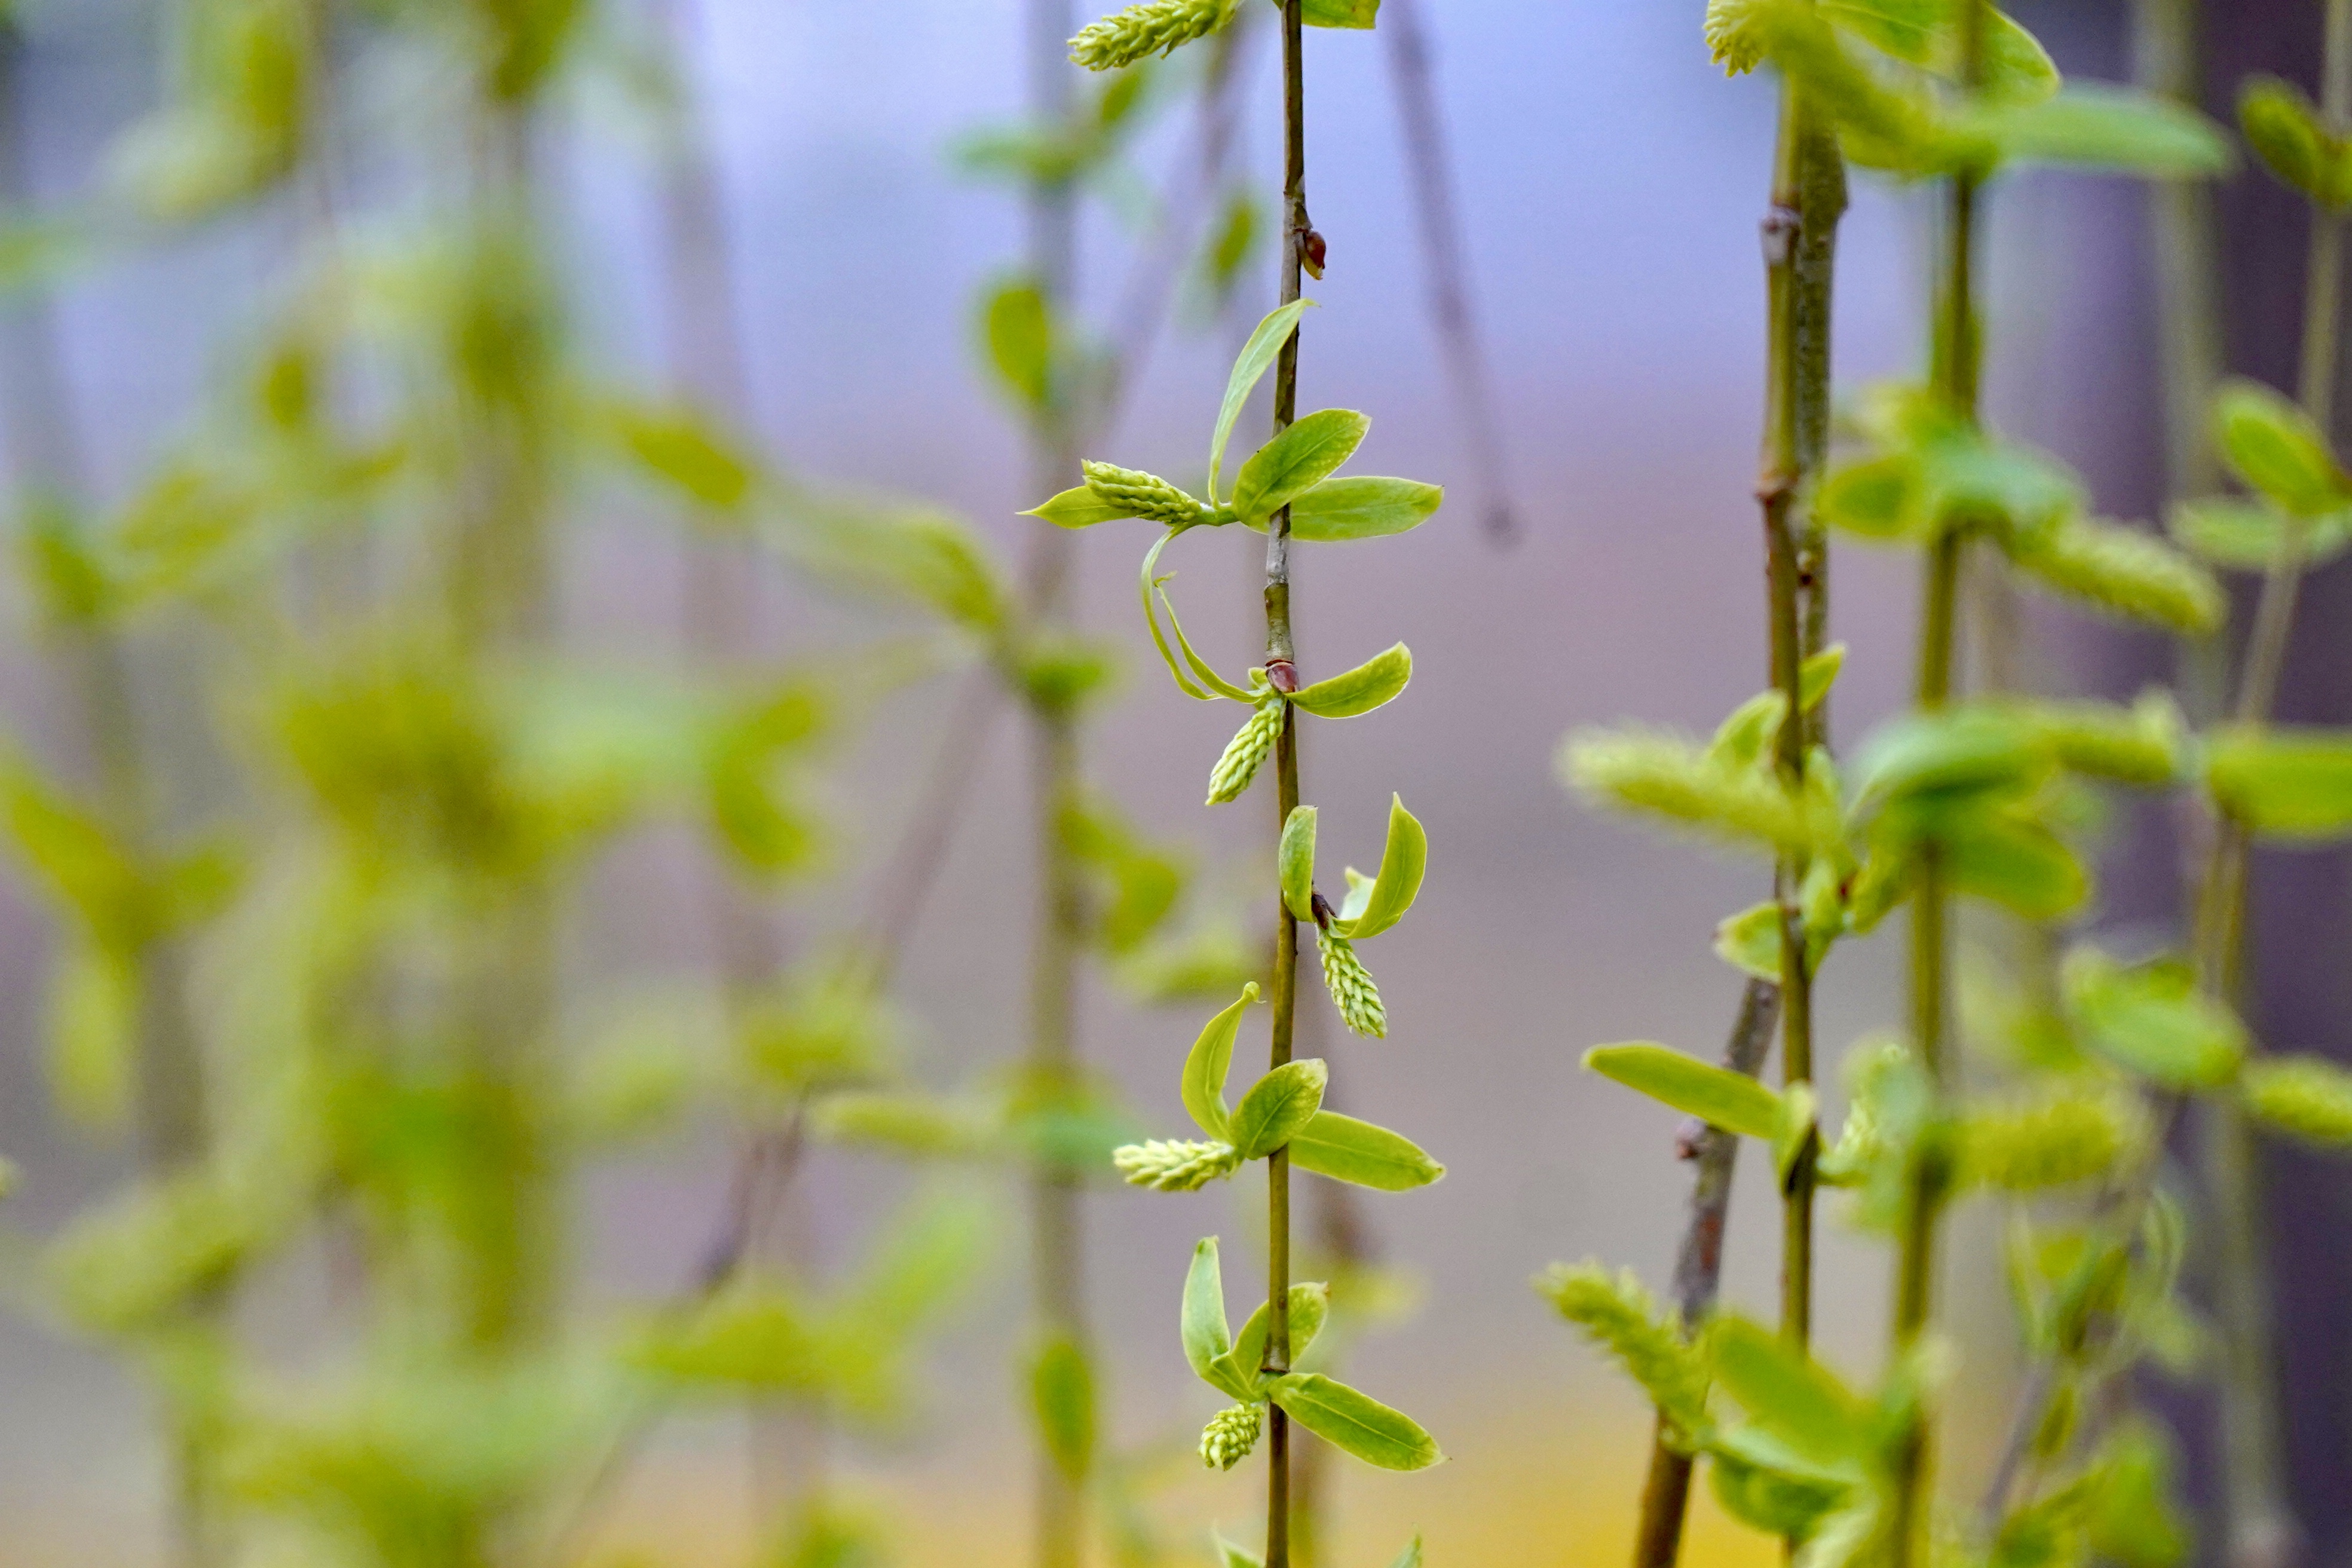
(774,209)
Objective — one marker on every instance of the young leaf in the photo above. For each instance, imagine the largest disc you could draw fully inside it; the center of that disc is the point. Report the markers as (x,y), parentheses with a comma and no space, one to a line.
(1818,674)
(2248,535)
(1716,1096)
(1359,506)
(1018,328)
(2285,784)
(1232,1556)
(1410,1557)
(2018,864)
(1294,863)
(1206,1336)
(1212,1057)
(2306,1096)
(2152,1019)
(2110,129)
(1346,1150)
(1257,356)
(1369,685)
(1789,1394)
(1277,1106)
(1405,859)
(1926,34)
(1309,1305)
(1299,459)
(2274,446)
(1062,1397)
(2285,132)
(1080,508)
(1750,941)
(1355,1422)
(1338,13)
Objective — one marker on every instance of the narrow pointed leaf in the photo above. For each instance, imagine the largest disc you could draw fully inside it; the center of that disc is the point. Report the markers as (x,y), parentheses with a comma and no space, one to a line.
(1359,506)
(1361,1154)
(1350,1419)
(1309,1305)
(1369,685)
(1716,1096)
(1080,508)
(1295,862)
(1299,459)
(2295,785)
(1404,861)
(1146,588)
(1062,1399)
(1205,1068)
(1789,1394)
(1257,357)
(1206,1335)
(1277,1107)
(1201,669)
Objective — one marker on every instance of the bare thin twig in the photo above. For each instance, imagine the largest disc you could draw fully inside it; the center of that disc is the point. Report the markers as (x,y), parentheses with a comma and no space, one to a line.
(1439,220)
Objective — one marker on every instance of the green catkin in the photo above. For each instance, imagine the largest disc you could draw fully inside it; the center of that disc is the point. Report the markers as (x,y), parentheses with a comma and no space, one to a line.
(1146,495)
(1667,777)
(2126,572)
(2302,1095)
(1175,1165)
(1350,985)
(1619,1316)
(1154,27)
(1230,1436)
(1248,748)
(2054,1142)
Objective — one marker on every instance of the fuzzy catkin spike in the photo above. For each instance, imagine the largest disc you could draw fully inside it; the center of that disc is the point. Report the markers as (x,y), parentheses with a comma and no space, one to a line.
(1146,495)
(1230,1436)
(1350,985)
(1667,777)
(2052,1142)
(1619,1317)
(1247,749)
(1174,1165)
(1155,26)
(2125,572)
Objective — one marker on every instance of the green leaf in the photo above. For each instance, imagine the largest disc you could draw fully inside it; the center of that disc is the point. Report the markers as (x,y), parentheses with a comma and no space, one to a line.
(1211,1060)
(1750,941)
(1818,674)
(1061,1398)
(2151,1019)
(1310,1304)
(2292,785)
(2250,535)
(1295,862)
(1926,34)
(1203,684)
(93,1031)
(1359,506)
(2306,1096)
(1346,1150)
(2273,445)
(2287,133)
(1369,685)
(1206,1335)
(1877,498)
(2133,1516)
(1964,750)
(1232,1556)
(2109,128)
(1355,1422)
(2018,864)
(1338,13)
(1403,860)
(1017,325)
(1257,356)
(1716,1096)
(1410,1557)
(1277,1107)
(679,445)
(1079,508)
(1299,459)
(1789,1394)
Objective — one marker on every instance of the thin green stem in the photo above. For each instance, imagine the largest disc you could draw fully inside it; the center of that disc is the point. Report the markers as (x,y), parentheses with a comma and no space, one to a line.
(2262,1530)
(1957,356)
(1282,655)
